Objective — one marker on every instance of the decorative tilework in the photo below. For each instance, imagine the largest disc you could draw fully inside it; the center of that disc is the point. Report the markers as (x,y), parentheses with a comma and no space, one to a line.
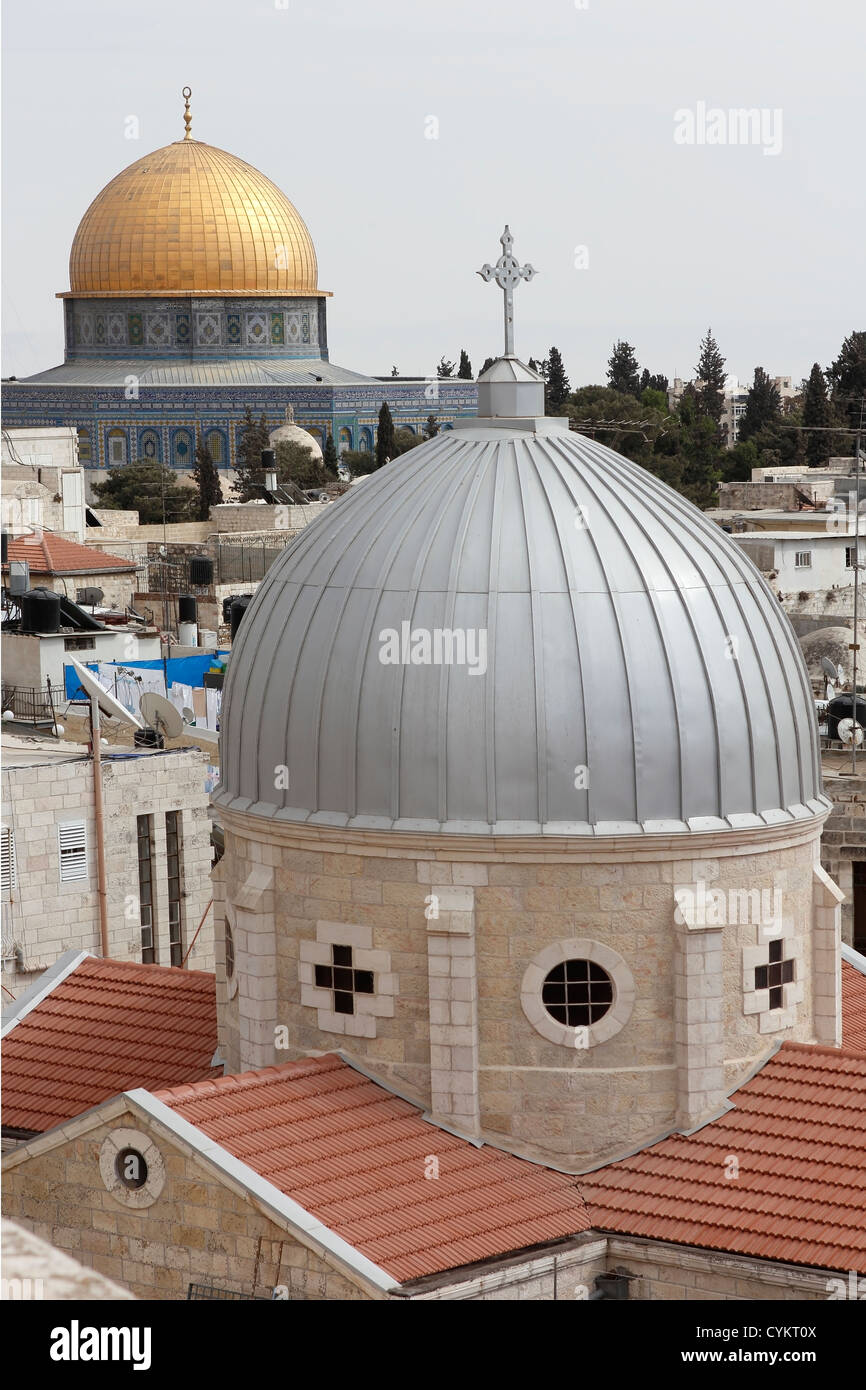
(256,330)
(86,328)
(277,330)
(156,330)
(136,330)
(233,329)
(116,328)
(207,329)
(182,329)
(305,328)
(100,328)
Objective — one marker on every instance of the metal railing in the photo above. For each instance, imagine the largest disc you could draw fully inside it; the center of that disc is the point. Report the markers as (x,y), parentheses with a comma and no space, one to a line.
(33,704)
(248,561)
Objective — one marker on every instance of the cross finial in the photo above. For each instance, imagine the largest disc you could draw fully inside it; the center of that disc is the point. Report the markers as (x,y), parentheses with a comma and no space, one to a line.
(187,118)
(507,273)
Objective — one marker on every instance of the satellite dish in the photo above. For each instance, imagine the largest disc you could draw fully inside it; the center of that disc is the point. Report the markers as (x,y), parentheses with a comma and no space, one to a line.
(188,715)
(828,667)
(161,714)
(850,732)
(107,703)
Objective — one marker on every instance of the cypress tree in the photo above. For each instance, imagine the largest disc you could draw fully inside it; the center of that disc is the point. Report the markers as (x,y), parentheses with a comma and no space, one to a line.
(207,480)
(464,371)
(329,454)
(710,384)
(816,418)
(558,385)
(763,405)
(384,436)
(623,372)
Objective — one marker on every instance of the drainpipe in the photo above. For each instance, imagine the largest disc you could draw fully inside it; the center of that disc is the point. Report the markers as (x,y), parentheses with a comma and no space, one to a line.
(100,830)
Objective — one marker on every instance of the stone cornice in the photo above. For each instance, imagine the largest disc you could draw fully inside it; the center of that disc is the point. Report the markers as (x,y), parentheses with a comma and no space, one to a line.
(516,849)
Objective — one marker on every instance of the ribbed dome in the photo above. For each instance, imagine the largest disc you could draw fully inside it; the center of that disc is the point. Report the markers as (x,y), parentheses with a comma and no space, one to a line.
(190,217)
(640,676)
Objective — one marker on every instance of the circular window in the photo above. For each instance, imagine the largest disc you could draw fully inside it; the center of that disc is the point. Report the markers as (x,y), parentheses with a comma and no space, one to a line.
(577,993)
(230,951)
(131,1169)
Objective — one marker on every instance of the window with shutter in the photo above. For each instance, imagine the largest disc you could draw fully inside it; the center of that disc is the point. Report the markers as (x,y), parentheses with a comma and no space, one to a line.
(72,844)
(8,870)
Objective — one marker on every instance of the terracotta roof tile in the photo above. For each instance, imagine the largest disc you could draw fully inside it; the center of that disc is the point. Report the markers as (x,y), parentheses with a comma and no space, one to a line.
(798,1130)
(354,1155)
(109,1026)
(47,553)
(853,1007)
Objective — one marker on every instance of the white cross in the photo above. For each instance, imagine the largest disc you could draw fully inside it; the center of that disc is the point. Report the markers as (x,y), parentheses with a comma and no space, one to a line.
(507,273)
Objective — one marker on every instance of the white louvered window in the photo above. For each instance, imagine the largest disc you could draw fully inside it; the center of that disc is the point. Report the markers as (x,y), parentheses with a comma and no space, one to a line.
(8,868)
(72,844)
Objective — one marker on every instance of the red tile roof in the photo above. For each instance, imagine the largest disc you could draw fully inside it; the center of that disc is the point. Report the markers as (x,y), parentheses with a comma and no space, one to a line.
(108,1027)
(853,1007)
(46,553)
(355,1155)
(798,1131)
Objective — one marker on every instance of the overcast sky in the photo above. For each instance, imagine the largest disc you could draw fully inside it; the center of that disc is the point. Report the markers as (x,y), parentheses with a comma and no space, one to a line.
(557,116)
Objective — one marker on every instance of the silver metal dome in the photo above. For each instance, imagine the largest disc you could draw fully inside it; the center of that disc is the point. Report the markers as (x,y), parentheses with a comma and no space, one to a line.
(639,676)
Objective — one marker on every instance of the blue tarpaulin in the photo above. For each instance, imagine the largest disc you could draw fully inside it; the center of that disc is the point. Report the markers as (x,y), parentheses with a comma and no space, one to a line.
(182,670)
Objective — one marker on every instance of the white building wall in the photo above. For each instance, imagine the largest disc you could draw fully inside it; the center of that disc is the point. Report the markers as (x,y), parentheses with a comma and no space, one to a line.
(45,917)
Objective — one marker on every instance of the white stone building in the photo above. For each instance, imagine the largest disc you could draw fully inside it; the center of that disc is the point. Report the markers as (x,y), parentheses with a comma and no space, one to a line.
(157,850)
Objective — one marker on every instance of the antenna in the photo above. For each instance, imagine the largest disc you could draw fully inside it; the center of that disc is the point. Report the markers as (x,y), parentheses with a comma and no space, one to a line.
(106,701)
(161,714)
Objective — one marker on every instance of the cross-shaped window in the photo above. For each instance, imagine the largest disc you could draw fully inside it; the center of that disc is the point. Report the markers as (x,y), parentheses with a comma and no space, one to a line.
(779,972)
(344,979)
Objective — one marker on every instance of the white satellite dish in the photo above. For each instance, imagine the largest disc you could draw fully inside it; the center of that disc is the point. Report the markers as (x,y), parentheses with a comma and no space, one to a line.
(850,732)
(188,715)
(161,714)
(828,667)
(106,701)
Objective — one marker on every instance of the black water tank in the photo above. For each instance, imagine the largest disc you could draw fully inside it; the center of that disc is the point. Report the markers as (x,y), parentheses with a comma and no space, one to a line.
(40,611)
(201,571)
(841,707)
(186,608)
(227,608)
(148,738)
(239,608)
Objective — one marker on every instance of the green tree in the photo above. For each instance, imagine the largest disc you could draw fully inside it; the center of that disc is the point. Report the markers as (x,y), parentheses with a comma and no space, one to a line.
(445,368)
(763,405)
(431,429)
(623,372)
(557,385)
(404,440)
(296,464)
(207,480)
(653,382)
(330,454)
(145,487)
(816,418)
(384,436)
(488,362)
(698,449)
(248,465)
(359,462)
(710,374)
(464,371)
(395,371)
(847,378)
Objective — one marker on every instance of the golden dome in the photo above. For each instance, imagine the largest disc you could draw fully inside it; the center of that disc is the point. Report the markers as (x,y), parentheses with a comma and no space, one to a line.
(191,219)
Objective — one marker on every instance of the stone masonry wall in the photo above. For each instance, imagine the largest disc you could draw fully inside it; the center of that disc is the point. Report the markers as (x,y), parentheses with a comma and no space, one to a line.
(535,1095)
(47,917)
(197,1231)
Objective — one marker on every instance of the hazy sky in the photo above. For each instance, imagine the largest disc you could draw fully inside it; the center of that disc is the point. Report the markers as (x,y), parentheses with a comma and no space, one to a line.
(557,117)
